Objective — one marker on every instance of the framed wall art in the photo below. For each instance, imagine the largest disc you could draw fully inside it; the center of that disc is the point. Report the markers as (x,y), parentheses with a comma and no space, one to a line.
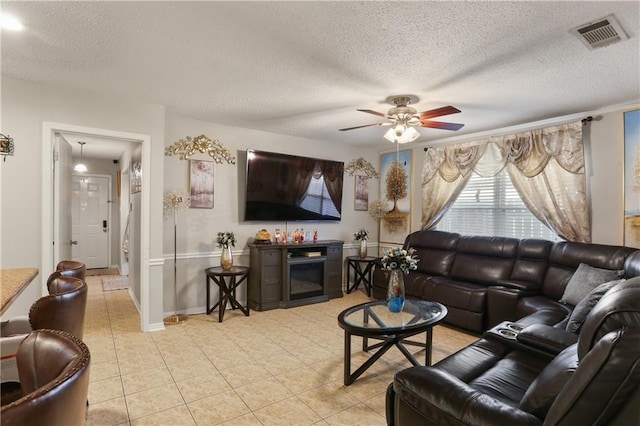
(632,178)
(361,198)
(395,192)
(201,184)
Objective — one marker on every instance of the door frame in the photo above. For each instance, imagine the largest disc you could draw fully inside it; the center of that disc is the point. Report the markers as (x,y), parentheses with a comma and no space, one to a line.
(109,205)
(49,130)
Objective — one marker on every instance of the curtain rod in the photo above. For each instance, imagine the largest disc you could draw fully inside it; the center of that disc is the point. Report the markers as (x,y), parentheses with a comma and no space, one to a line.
(585,121)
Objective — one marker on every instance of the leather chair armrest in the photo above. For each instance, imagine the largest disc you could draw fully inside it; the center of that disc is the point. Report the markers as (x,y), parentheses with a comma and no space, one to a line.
(14,326)
(442,399)
(502,302)
(547,338)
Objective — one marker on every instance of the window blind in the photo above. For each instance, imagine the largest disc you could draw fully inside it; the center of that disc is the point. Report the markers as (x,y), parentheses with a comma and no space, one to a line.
(491,206)
(318,199)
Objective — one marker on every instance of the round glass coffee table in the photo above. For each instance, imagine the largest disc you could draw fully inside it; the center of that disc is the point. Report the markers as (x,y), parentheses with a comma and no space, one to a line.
(373,320)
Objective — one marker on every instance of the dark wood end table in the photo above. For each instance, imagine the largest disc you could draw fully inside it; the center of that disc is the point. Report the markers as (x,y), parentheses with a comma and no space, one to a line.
(228,282)
(363,269)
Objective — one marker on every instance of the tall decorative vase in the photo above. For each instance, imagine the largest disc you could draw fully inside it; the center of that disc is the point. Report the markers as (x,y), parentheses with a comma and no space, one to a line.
(226,259)
(395,291)
(363,249)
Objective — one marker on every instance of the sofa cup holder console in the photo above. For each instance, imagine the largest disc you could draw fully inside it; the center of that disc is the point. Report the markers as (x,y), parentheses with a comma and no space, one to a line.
(507,330)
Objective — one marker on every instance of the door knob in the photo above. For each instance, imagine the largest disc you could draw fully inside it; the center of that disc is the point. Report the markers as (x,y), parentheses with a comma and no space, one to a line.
(74,242)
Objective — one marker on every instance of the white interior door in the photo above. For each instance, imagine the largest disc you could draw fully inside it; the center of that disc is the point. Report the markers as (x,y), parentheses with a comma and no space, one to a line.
(62,199)
(90,220)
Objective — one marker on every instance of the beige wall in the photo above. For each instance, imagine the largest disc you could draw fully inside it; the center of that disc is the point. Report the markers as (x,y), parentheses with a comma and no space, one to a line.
(25,107)
(197,228)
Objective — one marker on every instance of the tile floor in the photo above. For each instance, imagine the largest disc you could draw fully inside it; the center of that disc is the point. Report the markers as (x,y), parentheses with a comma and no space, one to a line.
(279,367)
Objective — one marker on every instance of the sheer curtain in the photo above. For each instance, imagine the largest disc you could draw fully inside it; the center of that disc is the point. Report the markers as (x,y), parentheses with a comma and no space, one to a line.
(446,171)
(546,166)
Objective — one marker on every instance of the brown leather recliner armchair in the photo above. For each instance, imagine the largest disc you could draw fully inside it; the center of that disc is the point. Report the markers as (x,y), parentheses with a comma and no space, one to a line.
(71,268)
(595,381)
(63,309)
(54,377)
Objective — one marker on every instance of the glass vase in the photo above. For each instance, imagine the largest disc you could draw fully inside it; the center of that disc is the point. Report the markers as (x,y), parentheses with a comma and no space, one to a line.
(363,249)
(395,291)
(226,259)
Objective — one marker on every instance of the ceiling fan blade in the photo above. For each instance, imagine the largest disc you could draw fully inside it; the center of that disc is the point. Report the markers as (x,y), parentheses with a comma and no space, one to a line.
(438,112)
(441,125)
(370,111)
(366,125)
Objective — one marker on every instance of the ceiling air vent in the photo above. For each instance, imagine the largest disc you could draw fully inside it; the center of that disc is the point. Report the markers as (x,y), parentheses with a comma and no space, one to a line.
(600,33)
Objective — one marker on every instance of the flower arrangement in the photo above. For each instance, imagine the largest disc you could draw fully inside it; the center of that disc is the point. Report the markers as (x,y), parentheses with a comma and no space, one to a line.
(362,234)
(226,239)
(399,258)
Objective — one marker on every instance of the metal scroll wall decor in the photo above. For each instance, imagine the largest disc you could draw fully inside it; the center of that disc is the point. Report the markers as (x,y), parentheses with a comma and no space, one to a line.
(362,167)
(186,147)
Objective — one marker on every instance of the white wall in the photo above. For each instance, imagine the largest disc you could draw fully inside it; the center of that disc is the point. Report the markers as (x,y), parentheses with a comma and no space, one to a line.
(197,228)
(25,106)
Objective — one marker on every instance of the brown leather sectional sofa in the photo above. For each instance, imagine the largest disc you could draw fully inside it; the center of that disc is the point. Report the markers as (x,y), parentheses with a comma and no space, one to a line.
(486,280)
(526,368)
(512,381)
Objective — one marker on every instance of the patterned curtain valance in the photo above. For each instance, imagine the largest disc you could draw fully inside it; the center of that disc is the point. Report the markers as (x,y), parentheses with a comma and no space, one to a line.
(530,151)
(451,162)
(546,166)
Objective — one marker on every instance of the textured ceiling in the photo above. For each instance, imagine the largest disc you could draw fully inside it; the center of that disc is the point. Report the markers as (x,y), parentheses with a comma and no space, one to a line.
(302,68)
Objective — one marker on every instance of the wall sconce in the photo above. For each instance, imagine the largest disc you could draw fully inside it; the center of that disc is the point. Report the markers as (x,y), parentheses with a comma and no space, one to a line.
(363,166)
(186,147)
(6,146)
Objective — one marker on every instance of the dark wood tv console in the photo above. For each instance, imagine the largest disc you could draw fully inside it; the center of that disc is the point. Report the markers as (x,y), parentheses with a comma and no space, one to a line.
(288,275)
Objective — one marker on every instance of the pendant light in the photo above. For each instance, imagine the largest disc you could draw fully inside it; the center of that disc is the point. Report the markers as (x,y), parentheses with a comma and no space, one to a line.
(80,167)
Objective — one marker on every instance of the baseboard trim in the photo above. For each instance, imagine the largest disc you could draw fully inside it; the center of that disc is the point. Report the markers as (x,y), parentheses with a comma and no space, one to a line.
(156,327)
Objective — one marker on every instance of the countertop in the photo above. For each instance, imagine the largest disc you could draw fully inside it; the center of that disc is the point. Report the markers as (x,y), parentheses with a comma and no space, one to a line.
(12,283)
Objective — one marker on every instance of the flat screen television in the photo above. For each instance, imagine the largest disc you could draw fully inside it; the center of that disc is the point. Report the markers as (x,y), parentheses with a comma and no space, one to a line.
(282,187)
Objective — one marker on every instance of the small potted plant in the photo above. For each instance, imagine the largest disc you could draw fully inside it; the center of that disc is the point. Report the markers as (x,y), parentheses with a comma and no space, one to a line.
(362,235)
(398,261)
(226,240)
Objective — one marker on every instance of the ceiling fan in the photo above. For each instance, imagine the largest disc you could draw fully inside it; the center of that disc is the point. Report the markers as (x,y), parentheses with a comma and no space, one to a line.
(404,119)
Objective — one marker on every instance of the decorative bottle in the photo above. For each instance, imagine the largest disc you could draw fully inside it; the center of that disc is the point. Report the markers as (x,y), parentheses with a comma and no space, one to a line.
(395,291)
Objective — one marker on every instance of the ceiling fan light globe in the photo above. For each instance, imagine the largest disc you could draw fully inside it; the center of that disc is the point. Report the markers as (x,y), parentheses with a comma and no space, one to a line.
(390,135)
(410,135)
(399,130)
